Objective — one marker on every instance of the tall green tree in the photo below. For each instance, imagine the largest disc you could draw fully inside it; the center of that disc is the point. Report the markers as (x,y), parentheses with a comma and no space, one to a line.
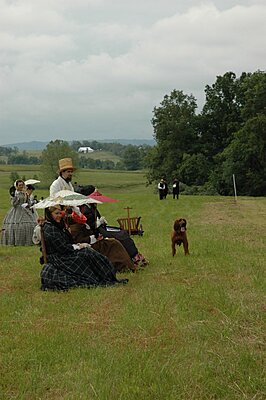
(254,94)
(246,158)
(226,136)
(194,169)
(132,158)
(54,151)
(221,114)
(243,155)
(174,131)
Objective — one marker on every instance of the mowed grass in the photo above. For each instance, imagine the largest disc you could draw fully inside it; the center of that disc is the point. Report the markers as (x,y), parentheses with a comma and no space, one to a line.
(184,328)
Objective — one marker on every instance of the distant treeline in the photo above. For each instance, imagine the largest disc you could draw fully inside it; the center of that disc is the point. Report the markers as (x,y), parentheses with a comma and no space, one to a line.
(131,156)
(12,156)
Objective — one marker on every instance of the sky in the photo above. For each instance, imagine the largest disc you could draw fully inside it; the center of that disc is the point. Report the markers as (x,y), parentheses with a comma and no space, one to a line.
(95,69)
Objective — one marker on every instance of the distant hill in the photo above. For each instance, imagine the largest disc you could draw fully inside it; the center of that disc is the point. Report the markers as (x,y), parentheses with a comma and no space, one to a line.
(35,145)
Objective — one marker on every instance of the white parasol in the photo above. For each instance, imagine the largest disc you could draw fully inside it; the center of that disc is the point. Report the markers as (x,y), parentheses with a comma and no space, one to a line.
(31,181)
(65,198)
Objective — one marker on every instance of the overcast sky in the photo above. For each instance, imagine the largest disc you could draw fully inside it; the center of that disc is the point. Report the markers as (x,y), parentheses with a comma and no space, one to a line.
(95,69)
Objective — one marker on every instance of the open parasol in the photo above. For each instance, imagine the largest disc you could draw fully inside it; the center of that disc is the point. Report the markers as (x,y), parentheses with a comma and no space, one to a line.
(65,198)
(96,195)
(31,181)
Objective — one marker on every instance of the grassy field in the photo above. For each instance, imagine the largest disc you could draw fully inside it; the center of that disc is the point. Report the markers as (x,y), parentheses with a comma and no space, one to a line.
(104,180)
(184,328)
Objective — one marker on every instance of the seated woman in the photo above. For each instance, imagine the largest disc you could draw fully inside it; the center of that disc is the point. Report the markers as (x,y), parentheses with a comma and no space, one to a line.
(20,220)
(109,247)
(71,265)
(99,225)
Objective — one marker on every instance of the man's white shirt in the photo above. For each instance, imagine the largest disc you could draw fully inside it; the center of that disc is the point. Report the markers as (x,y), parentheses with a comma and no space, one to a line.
(60,184)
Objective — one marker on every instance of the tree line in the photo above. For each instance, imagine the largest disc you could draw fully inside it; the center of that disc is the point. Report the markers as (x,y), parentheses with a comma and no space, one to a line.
(132,157)
(227,137)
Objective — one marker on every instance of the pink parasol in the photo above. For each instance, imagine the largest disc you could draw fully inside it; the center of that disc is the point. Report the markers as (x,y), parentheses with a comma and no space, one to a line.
(96,195)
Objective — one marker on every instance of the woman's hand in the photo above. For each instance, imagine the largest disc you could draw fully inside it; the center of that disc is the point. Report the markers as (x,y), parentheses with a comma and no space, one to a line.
(83,245)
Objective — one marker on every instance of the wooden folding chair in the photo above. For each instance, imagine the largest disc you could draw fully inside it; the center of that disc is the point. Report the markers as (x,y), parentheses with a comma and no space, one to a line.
(131,224)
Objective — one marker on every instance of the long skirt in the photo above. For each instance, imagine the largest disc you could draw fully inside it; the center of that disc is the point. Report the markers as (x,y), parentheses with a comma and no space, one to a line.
(18,227)
(122,236)
(84,268)
(109,247)
(115,252)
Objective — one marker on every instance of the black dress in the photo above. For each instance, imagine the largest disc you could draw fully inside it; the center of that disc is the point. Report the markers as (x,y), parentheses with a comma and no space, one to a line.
(175,188)
(106,231)
(68,268)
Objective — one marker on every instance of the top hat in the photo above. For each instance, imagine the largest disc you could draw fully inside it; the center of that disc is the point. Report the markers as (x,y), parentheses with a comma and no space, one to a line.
(65,163)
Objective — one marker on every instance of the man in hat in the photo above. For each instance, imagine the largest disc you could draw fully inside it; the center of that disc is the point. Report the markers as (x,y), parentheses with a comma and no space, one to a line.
(161,189)
(63,182)
(175,188)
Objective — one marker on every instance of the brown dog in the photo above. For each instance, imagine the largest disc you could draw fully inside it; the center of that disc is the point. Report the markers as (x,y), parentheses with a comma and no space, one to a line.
(179,235)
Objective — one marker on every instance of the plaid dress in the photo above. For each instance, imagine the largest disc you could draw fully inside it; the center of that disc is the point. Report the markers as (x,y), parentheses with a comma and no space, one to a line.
(19,223)
(68,268)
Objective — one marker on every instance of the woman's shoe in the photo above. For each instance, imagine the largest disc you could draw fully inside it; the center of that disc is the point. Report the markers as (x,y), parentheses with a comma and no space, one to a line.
(139,260)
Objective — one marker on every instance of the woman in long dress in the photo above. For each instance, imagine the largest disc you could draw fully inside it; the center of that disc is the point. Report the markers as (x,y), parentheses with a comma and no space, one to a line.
(99,226)
(20,220)
(72,265)
(109,247)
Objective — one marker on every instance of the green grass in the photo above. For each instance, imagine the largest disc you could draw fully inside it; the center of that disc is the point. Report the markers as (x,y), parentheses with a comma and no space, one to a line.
(104,180)
(184,328)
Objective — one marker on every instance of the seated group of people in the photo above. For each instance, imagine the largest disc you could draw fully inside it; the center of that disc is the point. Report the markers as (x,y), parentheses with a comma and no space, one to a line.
(80,248)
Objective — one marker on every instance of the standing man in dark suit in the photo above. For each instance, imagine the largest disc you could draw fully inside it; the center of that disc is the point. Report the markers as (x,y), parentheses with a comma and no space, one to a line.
(161,189)
(175,188)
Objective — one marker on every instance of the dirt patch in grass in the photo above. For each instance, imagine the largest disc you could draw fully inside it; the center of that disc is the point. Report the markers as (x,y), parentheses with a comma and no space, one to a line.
(243,213)
(242,223)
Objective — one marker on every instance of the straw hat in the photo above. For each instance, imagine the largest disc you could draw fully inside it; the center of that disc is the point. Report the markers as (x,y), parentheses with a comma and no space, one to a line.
(65,163)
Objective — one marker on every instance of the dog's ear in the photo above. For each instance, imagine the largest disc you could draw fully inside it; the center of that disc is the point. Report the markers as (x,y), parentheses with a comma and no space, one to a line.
(176,225)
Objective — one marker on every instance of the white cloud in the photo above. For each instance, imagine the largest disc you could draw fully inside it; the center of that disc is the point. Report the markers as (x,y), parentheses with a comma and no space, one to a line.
(66,69)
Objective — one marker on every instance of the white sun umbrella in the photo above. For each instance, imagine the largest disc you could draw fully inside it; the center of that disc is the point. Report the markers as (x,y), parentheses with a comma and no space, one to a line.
(31,181)
(65,198)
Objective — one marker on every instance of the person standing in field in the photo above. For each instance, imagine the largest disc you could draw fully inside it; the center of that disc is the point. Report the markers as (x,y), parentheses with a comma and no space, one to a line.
(63,182)
(161,189)
(175,188)
(166,188)
(20,221)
